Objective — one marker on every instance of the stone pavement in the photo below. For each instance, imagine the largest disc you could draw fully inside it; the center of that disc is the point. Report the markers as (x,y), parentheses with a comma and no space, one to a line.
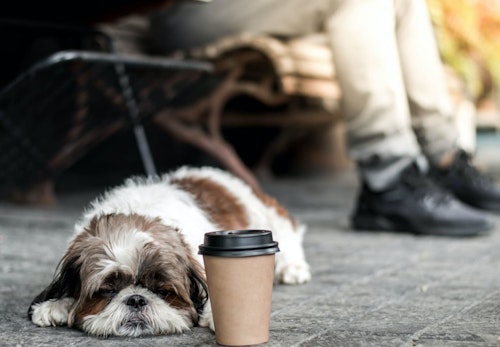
(368,289)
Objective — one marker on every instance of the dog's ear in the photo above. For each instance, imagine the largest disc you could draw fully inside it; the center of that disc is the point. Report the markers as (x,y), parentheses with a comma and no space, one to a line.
(198,291)
(66,283)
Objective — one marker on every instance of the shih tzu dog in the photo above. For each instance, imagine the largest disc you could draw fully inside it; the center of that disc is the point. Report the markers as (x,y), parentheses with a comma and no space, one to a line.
(132,268)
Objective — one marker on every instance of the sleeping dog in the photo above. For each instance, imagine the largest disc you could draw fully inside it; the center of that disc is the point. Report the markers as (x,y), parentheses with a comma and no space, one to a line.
(132,267)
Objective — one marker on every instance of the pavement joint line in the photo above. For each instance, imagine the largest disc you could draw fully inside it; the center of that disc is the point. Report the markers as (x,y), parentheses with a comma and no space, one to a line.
(416,336)
(401,298)
(346,286)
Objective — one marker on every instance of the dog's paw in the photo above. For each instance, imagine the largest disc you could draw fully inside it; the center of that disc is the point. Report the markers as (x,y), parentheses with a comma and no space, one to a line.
(51,312)
(206,319)
(293,273)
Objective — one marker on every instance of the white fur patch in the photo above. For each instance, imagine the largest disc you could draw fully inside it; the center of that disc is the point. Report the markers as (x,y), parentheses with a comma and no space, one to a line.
(52,312)
(291,265)
(154,198)
(125,250)
(206,319)
(158,317)
(176,208)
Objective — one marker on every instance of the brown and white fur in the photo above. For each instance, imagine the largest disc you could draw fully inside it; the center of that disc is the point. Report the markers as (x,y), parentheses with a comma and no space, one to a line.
(132,268)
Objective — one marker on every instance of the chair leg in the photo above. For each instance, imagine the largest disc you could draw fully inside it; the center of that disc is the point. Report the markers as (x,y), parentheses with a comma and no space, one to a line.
(214,145)
(133,112)
(276,147)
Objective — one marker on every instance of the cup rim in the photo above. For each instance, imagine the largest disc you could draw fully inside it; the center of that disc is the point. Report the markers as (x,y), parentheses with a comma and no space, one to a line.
(225,243)
(240,254)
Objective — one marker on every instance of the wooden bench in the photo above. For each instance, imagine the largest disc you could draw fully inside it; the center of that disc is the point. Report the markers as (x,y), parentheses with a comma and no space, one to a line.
(297,73)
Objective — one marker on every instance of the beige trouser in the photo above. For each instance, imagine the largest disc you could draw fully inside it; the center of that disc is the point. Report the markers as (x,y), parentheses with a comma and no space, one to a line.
(395,100)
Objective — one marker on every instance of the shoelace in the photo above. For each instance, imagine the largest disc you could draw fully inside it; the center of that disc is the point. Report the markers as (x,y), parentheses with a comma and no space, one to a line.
(423,187)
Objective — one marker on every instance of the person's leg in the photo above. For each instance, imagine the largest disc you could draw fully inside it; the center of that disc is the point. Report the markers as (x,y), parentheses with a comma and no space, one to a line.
(395,192)
(188,24)
(423,72)
(432,112)
(374,104)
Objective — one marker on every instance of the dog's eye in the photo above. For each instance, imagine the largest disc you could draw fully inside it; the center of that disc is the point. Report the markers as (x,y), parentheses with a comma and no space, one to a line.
(162,293)
(107,292)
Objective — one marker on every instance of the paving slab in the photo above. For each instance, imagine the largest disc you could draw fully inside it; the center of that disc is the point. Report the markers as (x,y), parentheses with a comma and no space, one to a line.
(368,289)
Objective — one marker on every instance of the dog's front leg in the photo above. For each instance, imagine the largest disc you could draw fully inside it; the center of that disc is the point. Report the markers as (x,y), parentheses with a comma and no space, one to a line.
(291,266)
(51,312)
(206,318)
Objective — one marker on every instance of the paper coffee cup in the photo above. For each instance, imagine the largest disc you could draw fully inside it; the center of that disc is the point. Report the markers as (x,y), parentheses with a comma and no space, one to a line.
(239,265)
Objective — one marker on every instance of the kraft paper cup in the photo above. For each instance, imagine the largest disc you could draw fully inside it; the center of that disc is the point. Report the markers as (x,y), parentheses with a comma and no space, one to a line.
(239,265)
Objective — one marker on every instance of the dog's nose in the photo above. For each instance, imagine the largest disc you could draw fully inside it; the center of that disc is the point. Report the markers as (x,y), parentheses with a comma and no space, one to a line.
(137,301)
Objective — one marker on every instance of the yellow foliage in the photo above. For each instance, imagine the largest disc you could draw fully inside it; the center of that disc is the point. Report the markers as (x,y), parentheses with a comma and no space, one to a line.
(468,34)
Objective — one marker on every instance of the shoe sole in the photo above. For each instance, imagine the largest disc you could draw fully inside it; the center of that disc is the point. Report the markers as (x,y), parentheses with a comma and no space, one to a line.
(382,223)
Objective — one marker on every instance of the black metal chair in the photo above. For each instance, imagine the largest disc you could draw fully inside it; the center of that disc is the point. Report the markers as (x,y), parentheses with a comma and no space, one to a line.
(63,90)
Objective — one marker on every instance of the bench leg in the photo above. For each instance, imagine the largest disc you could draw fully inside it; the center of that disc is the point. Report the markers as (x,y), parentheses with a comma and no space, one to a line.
(212,144)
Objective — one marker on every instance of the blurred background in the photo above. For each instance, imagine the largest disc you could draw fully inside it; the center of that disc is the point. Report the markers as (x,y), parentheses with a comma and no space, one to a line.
(468,33)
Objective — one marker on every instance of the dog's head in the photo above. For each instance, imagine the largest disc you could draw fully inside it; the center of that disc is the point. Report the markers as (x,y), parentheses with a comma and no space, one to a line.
(128,275)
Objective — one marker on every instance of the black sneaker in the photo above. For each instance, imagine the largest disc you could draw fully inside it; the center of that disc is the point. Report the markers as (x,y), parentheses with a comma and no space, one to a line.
(468,184)
(416,204)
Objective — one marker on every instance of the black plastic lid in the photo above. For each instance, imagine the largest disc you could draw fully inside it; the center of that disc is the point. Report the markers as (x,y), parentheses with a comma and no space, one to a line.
(238,243)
